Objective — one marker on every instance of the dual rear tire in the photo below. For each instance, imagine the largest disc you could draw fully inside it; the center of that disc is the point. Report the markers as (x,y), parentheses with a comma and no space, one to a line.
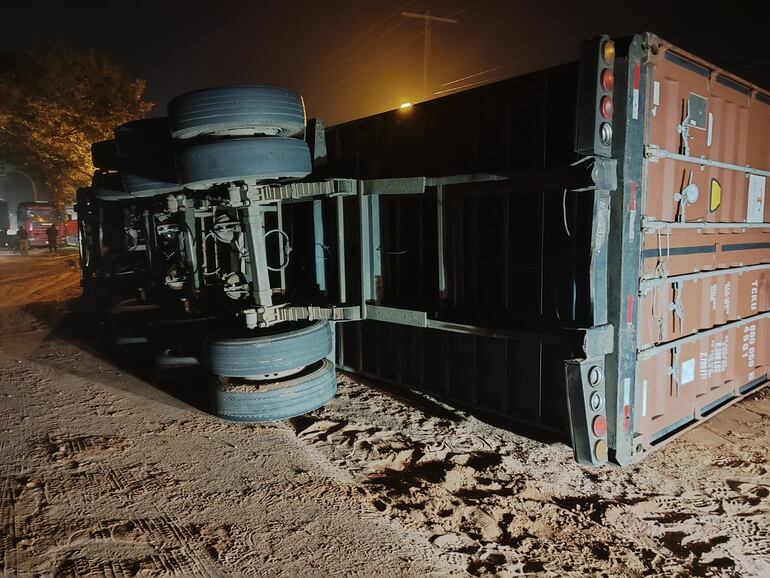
(274,375)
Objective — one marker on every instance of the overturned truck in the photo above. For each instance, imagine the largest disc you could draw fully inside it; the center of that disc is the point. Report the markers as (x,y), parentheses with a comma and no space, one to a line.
(584,250)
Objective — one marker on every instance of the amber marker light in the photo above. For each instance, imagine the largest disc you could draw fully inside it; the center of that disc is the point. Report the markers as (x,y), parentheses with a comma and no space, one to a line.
(608,52)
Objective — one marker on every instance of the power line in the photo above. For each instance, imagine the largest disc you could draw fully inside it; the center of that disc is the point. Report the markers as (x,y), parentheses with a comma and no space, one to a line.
(461,87)
(369,30)
(389,52)
(366,46)
(375,60)
(420,35)
(487,71)
(470,84)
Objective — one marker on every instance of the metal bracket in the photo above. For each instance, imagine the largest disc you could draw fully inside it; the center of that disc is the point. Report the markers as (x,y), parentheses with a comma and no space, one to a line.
(401,186)
(267,316)
(604,173)
(399,316)
(652,153)
(312,312)
(303,190)
(598,341)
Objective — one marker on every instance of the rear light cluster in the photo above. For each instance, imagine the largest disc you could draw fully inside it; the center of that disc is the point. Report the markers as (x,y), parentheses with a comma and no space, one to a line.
(607,84)
(588,410)
(598,420)
(596,107)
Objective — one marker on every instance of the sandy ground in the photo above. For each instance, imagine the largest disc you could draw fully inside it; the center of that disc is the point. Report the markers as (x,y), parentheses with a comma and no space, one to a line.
(108,473)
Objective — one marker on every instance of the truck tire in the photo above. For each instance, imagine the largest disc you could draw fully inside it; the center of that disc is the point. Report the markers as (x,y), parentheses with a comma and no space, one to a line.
(275,352)
(144,137)
(237,111)
(207,164)
(278,400)
(142,187)
(150,177)
(104,155)
(109,186)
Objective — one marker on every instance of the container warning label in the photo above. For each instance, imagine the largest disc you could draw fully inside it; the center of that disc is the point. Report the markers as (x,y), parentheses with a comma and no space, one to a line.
(715,195)
(688,371)
(755,212)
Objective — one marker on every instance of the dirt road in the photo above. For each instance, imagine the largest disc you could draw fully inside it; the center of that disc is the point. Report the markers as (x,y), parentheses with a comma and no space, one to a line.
(106,473)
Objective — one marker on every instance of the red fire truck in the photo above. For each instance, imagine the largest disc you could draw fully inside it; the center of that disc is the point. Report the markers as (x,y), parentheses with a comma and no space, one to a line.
(37,217)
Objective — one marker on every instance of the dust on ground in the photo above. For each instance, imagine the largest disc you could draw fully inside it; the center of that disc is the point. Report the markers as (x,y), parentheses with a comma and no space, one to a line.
(107,473)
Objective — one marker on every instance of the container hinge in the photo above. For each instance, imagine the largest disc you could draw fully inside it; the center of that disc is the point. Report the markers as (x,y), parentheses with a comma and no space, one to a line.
(673,371)
(676,307)
(687,196)
(684,130)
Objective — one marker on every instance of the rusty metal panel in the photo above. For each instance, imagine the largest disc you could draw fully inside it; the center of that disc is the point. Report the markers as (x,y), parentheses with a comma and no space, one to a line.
(732,129)
(678,385)
(680,251)
(675,308)
(703,332)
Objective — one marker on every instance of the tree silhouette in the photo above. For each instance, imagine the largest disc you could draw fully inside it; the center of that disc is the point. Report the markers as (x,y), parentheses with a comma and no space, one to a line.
(54,102)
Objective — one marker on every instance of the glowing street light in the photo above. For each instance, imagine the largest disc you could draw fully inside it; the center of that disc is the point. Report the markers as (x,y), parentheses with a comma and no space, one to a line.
(406,105)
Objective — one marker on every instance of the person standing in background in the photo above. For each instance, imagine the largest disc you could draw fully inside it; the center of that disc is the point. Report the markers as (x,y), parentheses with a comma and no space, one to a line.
(53,237)
(23,238)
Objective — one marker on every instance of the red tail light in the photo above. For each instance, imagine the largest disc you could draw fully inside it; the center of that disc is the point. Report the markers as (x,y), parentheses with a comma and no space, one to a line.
(608,80)
(599,426)
(606,107)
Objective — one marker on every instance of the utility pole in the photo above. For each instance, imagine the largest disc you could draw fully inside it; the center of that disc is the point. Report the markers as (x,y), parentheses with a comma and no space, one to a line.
(429,23)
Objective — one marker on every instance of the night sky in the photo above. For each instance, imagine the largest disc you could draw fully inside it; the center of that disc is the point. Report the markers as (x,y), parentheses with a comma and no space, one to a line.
(351,58)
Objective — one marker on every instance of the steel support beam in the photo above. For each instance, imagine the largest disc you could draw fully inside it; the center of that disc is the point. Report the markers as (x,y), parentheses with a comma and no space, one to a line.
(254,221)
